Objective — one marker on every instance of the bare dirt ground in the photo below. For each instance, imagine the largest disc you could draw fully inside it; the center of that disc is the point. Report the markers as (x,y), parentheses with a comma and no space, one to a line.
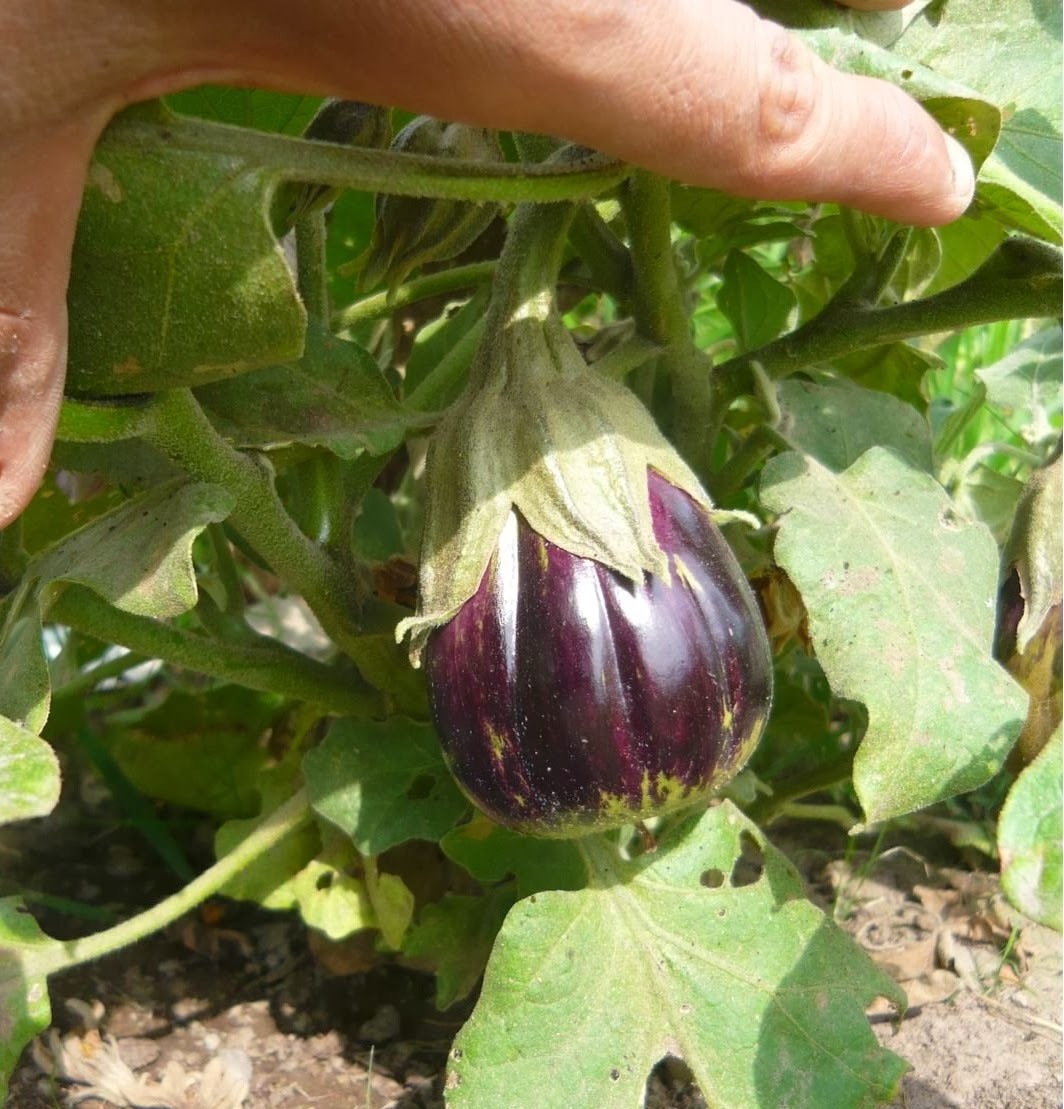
(236,1008)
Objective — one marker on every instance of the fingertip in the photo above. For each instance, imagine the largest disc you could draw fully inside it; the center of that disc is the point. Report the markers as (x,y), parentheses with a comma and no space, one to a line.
(963,173)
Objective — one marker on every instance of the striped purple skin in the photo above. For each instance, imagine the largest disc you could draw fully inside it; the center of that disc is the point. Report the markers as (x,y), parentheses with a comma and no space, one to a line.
(569,700)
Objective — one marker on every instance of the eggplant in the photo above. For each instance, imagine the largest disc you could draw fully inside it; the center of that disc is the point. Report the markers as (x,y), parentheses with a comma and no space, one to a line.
(570,699)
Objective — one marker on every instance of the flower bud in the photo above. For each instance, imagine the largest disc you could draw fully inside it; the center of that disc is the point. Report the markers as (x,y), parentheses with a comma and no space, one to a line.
(413,231)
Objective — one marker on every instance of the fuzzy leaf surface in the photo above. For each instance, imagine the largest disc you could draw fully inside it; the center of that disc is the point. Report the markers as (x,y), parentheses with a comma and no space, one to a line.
(333,396)
(139,556)
(900,596)
(177,278)
(29,774)
(382,783)
(752,986)
(24,1006)
(1009,51)
(1029,838)
(836,422)
(1026,384)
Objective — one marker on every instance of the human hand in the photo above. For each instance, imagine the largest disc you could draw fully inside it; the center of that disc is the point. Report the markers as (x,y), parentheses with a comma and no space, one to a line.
(699,90)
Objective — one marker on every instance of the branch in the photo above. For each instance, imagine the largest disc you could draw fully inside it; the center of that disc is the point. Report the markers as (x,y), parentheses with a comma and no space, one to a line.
(266,664)
(281,823)
(1020,280)
(384,171)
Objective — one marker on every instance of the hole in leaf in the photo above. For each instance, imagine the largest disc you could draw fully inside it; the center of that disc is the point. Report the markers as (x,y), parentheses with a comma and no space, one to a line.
(713,878)
(750,864)
(420,787)
(324,881)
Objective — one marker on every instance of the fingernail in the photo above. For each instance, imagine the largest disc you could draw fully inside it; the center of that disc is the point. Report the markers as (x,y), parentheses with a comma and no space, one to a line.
(963,173)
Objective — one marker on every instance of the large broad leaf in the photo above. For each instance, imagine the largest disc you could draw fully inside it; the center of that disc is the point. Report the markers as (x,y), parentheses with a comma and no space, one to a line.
(29,774)
(1026,383)
(1010,51)
(900,595)
(138,557)
(1029,838)
(177,278)
(24,1006)
(333,396)
(202,751)
(835,422)
(676,953)
(382,783)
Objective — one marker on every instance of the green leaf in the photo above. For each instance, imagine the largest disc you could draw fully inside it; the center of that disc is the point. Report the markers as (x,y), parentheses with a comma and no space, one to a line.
(382,783)
(756,304)
(759,993)
(328,899)
(966,245)
(491,853)
(962,105)
(454,937)
(334,396)
(177,278)
(439,337)
(1026,384)
(139,556)
(265,111)
(191,752)
(377,534)
(897,368)
(392,902)
(1009,51)
(835,422)
(901,597)
(269,878)
(29,774)
(1029,837)
(25,684)
(24,1005)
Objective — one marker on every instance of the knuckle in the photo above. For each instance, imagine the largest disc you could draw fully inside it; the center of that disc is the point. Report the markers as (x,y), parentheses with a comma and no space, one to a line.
(789,101)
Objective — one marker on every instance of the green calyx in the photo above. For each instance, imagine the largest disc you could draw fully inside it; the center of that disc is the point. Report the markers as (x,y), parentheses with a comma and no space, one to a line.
(538,432)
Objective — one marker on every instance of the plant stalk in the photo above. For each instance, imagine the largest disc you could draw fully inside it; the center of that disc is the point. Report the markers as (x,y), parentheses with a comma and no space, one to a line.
(1020,280)
(660,311)
(267,666)
(381,305)
(282,822)
(182,432)
(386,171)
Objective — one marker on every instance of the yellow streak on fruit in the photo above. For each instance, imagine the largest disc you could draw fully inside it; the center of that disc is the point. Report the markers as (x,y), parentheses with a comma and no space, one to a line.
(544,560)
(498,743)
(685,575)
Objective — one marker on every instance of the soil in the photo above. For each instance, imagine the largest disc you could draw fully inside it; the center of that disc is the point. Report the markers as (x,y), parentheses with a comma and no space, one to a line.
(237,1008)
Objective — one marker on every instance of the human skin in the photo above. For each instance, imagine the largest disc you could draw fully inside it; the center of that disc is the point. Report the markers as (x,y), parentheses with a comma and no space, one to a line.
(699,90)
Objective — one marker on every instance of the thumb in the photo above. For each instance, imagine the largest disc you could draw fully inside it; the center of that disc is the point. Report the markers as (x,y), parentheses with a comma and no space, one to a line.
(41,181)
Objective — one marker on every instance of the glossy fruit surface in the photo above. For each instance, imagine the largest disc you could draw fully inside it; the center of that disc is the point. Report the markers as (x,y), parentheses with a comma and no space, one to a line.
(569,700)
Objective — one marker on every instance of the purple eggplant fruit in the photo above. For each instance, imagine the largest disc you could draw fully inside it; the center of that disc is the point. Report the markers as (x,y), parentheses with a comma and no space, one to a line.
(570,700)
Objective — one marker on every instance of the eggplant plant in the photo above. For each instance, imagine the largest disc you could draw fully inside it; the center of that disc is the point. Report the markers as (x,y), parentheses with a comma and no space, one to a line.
(634,519)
